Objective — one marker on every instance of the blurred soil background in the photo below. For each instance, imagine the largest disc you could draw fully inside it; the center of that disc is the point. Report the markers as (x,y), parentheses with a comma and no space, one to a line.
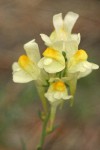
(20,127)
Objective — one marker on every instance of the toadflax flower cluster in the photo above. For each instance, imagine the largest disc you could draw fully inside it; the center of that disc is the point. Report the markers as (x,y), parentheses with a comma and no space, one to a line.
(57,72)
(62,64)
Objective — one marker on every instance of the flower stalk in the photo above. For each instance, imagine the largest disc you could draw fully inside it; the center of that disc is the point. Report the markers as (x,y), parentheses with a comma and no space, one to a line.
(52,118)
(41,92)
(44,132)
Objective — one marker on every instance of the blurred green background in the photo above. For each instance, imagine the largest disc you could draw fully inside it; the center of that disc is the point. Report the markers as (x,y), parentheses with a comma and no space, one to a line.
(20,127)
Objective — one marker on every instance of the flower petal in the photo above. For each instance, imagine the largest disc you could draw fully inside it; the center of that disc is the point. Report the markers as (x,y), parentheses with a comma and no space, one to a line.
(71,47)
(54,54)
(58,21)
(46,39)
(32,51)
(53,67)
(47,61)
(80,67)
(83,74)
(95,66)
(41,63)
(15,67)
(19,75)
(70,20)
(84,67)
(49,96)
(58,95)
(59,45)
(53,36)
(89,69)
(76,37)
(66,96)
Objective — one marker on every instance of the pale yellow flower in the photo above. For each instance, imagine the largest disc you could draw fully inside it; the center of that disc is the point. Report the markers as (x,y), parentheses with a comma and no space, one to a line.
(78,64)
(62,31)
(63,27)
(26,69)
(53,61)
(57,92)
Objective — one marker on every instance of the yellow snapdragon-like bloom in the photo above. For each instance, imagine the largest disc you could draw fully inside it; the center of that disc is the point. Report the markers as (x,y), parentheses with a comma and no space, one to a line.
(78,57)
(26,69)
(53,61)
(61,36)
(78,64)
(63,27)
(57,92)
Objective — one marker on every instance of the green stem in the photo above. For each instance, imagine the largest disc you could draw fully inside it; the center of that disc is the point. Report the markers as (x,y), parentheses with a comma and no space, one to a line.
(71,101)
(52,117)
(41,92)
(72,85)
(44,133)
(44,102)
